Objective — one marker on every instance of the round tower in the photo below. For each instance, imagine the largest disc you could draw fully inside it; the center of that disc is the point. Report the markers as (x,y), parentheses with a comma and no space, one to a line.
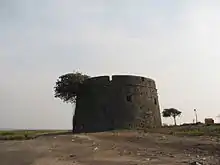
(123,102)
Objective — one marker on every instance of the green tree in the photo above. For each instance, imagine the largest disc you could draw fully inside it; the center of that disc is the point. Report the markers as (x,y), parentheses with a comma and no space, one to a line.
(68,87)
(171,112)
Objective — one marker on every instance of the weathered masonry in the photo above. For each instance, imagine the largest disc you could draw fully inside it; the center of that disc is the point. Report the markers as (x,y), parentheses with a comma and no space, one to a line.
(122,102)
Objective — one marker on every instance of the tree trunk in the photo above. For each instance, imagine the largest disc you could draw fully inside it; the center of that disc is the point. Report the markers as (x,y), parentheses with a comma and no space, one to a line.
(174,118)
(73,124)
(74,119)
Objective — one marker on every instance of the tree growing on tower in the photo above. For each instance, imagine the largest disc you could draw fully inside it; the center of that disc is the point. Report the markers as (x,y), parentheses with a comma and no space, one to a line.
(67,88)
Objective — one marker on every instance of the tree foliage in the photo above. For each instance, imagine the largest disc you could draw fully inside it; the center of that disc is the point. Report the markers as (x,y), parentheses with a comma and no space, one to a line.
(171,112)
(67,86)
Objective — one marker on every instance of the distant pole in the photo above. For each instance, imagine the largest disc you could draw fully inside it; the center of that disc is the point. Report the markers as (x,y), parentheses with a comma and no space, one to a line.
(218,118)
(196,115)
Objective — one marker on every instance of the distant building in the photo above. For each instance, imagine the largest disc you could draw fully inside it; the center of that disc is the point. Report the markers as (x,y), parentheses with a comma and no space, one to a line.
(209,121)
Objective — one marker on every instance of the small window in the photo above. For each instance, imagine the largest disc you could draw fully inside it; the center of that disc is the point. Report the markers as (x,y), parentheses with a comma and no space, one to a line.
(155,101)
(142,78)
(129,98)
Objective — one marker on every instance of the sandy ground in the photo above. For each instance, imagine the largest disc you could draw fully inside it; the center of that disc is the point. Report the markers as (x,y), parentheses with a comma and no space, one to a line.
(125,148)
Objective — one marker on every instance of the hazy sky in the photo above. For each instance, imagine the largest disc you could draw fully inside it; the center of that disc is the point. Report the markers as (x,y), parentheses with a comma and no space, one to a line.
(174,42)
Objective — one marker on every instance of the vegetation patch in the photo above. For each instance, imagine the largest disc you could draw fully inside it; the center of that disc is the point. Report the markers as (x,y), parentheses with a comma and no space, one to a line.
(28,134)
(189,130)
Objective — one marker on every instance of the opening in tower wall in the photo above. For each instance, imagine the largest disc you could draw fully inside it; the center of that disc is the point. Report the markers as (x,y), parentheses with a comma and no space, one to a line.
(129,98)
(155,101)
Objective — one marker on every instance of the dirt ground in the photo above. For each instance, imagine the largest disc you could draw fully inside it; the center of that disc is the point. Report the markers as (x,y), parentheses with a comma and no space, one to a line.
(124,148)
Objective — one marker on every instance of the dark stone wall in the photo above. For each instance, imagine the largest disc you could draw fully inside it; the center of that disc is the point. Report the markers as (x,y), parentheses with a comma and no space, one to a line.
(123,102)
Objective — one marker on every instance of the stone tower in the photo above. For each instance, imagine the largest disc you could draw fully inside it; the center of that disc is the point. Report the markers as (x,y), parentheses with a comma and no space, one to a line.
(123,102)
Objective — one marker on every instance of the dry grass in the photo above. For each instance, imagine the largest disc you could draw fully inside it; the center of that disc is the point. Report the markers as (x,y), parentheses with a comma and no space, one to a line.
(28,134)
(189,130)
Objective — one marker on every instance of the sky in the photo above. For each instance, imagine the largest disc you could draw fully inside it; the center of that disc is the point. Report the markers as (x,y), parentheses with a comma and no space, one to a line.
(174,42)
